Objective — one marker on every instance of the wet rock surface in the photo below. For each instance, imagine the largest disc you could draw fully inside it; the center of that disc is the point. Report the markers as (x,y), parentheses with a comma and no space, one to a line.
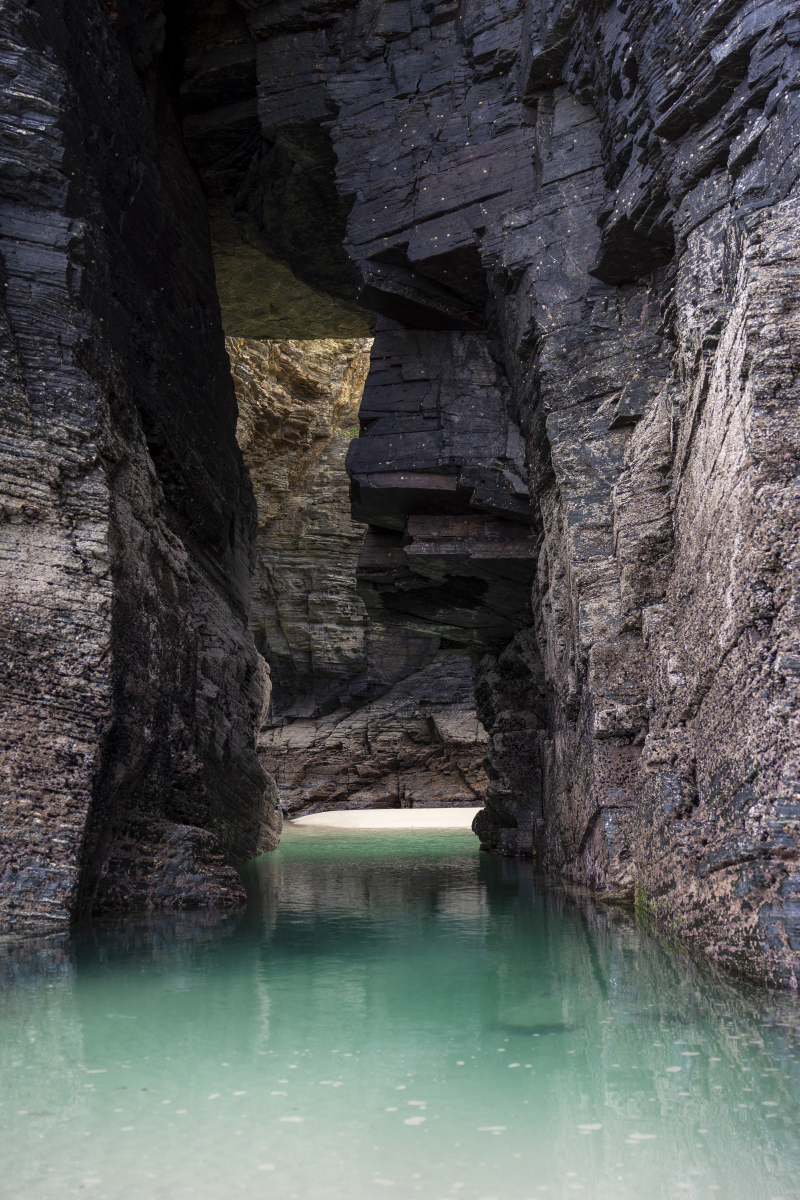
(362,715)
(131,685)
(577,226)
(579,434)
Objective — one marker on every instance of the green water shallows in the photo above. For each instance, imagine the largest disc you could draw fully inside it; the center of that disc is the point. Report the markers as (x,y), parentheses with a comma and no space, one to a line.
(395,1014)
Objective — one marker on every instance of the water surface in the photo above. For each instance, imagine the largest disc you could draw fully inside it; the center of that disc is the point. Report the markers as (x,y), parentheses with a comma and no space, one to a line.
(394,1015)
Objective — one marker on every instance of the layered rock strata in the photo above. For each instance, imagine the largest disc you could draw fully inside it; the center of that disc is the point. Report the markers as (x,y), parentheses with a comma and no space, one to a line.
(578,224)
(420,745)
(361,715)
(297,402)
(131,685)
(277,219)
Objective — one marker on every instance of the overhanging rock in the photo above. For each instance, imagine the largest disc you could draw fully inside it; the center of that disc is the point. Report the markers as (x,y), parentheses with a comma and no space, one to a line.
(438,473)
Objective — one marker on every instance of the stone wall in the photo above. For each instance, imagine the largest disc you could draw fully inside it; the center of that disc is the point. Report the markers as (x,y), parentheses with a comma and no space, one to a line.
(362,715)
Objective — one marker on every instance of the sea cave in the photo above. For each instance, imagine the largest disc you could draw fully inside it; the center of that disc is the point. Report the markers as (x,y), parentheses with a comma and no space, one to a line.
(399,538)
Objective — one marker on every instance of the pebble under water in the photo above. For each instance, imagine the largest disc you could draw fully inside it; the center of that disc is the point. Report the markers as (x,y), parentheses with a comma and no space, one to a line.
(395,1014)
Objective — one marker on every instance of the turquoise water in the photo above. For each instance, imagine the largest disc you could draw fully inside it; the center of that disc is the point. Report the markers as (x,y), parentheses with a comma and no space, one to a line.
(394,1015)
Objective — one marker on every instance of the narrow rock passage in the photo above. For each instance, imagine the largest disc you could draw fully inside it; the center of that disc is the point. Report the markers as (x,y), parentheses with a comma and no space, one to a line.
(569,232)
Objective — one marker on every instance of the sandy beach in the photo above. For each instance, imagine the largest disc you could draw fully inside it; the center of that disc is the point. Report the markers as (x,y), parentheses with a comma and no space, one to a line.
(393,818)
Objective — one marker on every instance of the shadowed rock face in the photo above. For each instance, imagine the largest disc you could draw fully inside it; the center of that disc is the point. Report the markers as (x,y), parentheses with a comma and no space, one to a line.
(578,227)
(256,128)
(362,715)
(577,224)
(131,685)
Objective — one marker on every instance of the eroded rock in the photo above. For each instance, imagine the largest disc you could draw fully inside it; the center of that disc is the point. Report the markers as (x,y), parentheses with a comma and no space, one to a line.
(420,745)
(362,715)
(576,223)
(131,685)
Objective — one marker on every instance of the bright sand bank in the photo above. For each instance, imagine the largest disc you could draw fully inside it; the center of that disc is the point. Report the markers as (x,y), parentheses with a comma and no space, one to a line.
(393,818)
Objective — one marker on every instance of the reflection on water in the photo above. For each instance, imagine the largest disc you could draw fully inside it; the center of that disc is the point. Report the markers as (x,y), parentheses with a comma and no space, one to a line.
(394,1013)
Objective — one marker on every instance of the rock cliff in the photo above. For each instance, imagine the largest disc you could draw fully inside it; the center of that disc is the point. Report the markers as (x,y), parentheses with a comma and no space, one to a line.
(361,715)
(297,401)
(578,450)
(578,445)
(131,685)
